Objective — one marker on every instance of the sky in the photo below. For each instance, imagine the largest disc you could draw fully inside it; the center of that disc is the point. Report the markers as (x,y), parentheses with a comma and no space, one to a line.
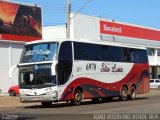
(140,12)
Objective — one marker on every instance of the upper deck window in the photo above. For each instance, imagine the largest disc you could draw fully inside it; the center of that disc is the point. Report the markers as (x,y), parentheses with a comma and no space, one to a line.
(39,52)
(97,52)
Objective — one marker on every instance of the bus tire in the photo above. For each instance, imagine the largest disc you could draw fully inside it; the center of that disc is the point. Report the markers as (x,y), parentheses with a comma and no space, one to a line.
(95,100)
(132,96)
(46,104)
(124,94)
(77,98)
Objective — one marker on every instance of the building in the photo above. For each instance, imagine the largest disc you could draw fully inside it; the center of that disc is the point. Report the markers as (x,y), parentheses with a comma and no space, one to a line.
(95,28)
(19,24)
(25,25)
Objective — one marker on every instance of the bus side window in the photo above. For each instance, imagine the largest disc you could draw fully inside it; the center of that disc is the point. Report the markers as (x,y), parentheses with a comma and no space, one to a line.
(134,55)
(126,55)
(64,67)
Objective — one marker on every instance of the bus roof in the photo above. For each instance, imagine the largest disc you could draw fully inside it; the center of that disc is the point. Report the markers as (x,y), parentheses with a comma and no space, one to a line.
(102,42)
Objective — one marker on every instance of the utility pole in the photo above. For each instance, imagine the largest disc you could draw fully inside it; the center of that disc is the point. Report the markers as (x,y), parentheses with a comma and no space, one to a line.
(68,19)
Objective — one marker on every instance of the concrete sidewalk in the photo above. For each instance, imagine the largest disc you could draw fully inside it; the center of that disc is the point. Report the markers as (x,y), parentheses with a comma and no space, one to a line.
(8,101)
(153,92)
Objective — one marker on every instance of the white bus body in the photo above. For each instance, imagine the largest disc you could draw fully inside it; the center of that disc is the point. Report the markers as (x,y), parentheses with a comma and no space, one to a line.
(69,70)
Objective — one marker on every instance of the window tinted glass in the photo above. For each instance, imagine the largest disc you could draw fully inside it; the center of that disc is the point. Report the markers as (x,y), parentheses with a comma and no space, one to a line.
(40,77)
(86,51)
(65,52)
(112,53)
(64,66)
(39,52)
(138,56)
(126,55)
(95,52)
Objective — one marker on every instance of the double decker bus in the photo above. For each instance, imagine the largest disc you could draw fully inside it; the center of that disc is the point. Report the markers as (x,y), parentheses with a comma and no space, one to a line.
(71,70)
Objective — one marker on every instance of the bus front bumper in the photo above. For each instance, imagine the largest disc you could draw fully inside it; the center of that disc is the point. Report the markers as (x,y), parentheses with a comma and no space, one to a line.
(39,98)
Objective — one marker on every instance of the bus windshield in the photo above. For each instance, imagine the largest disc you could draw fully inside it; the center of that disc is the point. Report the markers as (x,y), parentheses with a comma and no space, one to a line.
(36,76)
(39,52)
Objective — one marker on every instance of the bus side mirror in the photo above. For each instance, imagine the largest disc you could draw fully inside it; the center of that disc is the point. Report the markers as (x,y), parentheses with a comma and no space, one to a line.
(11,69)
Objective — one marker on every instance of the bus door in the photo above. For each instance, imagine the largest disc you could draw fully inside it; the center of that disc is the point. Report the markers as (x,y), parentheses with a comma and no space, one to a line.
(64,66)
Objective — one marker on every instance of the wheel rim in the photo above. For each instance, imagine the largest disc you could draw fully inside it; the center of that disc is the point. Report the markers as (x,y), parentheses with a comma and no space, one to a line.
(77,97)
(133,93)
(124,95)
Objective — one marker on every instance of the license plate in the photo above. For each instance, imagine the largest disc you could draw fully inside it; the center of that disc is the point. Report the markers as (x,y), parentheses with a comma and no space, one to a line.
(34,99)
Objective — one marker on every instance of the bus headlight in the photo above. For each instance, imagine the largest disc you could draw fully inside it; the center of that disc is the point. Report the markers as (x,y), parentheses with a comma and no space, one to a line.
(51,93)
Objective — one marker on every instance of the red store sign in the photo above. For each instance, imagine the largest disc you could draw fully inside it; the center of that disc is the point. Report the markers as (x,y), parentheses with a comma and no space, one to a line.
(118,29)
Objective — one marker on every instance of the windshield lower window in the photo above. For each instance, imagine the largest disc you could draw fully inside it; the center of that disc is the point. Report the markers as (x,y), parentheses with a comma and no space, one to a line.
(39,78)
(39,52)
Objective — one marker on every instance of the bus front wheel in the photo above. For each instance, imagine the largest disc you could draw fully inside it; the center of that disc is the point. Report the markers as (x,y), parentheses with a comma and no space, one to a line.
(77,98)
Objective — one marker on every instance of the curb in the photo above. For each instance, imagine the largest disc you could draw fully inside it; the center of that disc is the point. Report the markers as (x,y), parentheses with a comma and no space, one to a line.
(1,95)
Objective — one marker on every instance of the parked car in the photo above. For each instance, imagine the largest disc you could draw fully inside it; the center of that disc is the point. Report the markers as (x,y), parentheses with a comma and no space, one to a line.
(155,83)
(13,90)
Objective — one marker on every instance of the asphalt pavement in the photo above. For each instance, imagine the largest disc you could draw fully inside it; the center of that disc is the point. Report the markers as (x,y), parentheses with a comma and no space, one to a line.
(145,107)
